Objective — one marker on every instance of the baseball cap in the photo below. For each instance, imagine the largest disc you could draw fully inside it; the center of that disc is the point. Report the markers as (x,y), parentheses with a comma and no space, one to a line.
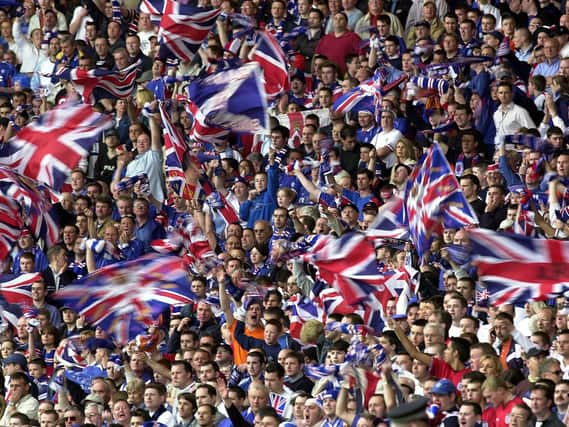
(17,358)
(443,386)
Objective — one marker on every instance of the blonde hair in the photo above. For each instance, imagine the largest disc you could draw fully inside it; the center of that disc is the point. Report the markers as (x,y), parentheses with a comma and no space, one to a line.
(143,96)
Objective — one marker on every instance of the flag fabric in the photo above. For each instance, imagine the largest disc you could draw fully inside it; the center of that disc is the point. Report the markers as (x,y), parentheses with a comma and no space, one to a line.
(16,289)
(301,311)
(366,97)
(175,149)
(187,235)
(123,298)
(154,8)
(272,60)
(11,224)
(440,85)
(535,143)
(49,148)
(31,203)
(16,296)
(225,209)
(387,224)
(183,28)
(68,352)
(278,402)
(433,200)
(517,269)
(201,132)
(99,84)
(348,264)
(232,99)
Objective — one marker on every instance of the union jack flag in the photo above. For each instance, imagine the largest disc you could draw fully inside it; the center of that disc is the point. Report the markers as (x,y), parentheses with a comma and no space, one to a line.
(349,265)
(16,295)
(302,310)
(123,298)
(365,96)
(433,199)
(201,132)
(175,148)
(517,269)
(154,8)
(50,147)
(270,56)
(31,202)
(387,224)
(232,99)
(11,224)
(482,296)
(99,84)
(278,402)
(225,209)
(183,28)
(68,353)
(190,236)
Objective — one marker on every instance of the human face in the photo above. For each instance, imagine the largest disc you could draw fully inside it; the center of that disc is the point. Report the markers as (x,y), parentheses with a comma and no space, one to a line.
(518,418)
(563,165)
(445,401)
(554,373)
(386,121)
(271,333)
(72,417)
(416,335)
(26,265)
(467,416)
(136,421)
(551,49)
(38,291)
(202,397)
(180,378)
(561,395)
(328,75)
(291,366)
(312,414)
(324,98)
(539,403)
(152,399)
(121,412)
(505,95)
(257,398)
(544,321)
(563,345)
(473,392)
(48,420)
(432,336)
(340,23)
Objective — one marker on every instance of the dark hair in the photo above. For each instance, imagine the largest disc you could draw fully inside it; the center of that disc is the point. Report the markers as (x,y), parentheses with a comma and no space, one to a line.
(462,346)
(285,133)
(275,368)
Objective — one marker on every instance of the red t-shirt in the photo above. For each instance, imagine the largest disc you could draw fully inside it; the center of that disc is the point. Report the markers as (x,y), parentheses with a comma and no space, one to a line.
(489,417)
(441,369)
(336,48)
(503,411)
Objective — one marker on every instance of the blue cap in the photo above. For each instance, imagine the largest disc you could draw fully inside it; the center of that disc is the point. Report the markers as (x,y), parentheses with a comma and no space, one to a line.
(443,386)
(18,359)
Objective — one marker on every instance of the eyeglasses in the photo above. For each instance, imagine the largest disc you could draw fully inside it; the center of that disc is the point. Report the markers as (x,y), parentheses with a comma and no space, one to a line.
(74,418)
(556,372)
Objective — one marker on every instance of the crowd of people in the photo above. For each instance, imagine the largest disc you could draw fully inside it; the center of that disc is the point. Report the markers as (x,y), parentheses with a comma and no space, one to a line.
(488,81)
